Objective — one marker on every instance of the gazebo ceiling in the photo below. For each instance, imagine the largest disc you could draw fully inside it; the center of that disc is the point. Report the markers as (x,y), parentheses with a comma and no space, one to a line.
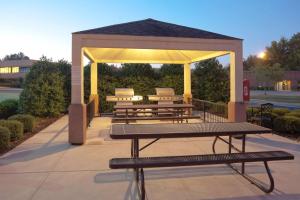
(120,55)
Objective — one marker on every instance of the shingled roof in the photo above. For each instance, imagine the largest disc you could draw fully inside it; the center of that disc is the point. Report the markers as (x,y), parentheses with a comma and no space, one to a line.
(151,27)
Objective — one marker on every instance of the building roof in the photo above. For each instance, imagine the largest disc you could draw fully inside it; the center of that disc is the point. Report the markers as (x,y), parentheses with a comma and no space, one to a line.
(23,63)
(151,27)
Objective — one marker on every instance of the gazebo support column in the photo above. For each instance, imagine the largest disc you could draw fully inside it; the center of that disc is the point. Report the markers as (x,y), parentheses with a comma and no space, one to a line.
(94,86)
(187,83)
(236,106)
(77,109)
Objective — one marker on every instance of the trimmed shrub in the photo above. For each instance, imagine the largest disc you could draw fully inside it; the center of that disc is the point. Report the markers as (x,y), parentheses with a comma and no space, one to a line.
(28,121)
(254,110)
(280,111)
(4,138)
(8,107)
(294,113)
(287,124)
(15,127)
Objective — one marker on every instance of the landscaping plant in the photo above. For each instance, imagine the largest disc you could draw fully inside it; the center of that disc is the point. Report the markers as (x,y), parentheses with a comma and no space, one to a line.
(4,138)
(28,121)
(8,107)
(15,127)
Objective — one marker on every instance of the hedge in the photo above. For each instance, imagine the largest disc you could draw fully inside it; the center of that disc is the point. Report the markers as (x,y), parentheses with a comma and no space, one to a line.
(27,120)
(15,127)
(280,111)
(4,138)
(8,107)
(295,113)
(287,124)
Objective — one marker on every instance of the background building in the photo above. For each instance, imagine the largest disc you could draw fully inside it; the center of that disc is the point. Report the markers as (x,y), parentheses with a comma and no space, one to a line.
(290,81)
(13,69)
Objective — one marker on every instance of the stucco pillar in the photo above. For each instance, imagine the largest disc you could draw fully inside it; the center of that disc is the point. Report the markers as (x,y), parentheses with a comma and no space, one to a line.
(236,106)
(94,86)
(77,109)
(187,83)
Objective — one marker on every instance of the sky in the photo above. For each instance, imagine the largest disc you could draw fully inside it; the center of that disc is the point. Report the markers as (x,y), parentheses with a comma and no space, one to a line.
(44,27)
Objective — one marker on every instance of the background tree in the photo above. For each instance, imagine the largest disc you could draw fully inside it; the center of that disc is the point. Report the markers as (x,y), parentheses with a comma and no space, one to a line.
(137,70)
(252,61)
(210,81)
(268,75)
(171,69)
(285,52)
(64,68)
(43,94)
(16,56)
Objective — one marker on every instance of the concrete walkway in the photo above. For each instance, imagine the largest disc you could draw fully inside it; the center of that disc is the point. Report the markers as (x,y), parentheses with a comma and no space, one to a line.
(47,167)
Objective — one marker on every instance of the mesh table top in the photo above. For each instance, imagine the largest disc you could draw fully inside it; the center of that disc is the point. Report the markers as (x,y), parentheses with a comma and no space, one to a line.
(132,131)
(153,106)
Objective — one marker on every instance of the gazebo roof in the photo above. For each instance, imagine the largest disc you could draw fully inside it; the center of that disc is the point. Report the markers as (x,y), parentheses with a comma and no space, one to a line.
(151,27)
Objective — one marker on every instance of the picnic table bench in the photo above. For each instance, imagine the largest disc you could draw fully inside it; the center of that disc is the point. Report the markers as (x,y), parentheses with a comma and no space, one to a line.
(173,112)
(217,130)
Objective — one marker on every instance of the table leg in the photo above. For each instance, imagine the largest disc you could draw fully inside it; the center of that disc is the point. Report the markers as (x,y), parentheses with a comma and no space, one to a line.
(230,143)
(243,151)
(131,150)
(126,116)
(136,155)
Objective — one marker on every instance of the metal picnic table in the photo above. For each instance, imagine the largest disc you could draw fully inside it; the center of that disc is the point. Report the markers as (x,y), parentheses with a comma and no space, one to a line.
(132,111)
(135,132)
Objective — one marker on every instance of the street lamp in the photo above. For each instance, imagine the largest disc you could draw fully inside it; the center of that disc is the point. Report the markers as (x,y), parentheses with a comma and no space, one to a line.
(262,55)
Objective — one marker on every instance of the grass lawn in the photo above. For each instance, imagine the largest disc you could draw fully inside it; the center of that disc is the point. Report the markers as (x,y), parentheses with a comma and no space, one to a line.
(278,98)
(5,94)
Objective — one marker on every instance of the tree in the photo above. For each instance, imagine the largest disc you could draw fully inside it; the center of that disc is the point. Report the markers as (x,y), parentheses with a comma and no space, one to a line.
(43,94)
(137,70)
(16,56)
(278,53)
(252,61)
(210,81)
(64,68)
(268,75)
(171,69)
(285,52)
(294,56)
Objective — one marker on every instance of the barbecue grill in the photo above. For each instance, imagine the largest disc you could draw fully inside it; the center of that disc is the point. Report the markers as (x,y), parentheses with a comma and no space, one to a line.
(124,96)
(165,96)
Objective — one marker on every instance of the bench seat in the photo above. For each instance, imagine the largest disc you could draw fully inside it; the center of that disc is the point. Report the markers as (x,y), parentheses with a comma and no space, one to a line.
(176,161)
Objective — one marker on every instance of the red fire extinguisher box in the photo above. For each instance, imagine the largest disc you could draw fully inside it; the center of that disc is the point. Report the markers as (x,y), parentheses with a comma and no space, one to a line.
(246,90)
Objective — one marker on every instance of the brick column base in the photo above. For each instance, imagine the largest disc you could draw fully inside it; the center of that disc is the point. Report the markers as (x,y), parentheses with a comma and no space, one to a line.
(77,124)
(236,112)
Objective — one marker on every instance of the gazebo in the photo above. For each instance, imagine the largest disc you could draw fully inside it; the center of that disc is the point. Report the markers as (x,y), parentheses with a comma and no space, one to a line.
(150,41)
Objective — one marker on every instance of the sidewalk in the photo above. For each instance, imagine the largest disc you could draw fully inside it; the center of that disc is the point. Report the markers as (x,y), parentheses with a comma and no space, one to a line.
(47,167)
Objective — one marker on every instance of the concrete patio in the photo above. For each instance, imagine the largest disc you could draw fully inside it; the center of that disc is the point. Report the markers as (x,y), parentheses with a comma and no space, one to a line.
(47,167)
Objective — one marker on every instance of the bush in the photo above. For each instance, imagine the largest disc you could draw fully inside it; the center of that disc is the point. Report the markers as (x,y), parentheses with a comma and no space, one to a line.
(8,107)
(280,111)
(43,94)
(287,124)
(28,121)
(4,138)
(15,128)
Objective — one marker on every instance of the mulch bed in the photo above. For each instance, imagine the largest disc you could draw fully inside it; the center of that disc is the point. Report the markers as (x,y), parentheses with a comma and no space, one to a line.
(41,123)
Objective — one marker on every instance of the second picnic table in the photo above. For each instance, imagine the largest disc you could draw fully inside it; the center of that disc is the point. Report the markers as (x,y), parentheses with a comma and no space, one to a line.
(132,112)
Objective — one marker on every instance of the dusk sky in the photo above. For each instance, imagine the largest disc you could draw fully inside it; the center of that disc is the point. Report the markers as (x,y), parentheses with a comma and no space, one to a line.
(44,27)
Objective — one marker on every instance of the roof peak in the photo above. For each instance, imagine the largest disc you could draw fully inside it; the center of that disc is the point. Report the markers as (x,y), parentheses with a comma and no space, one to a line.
(153,27)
